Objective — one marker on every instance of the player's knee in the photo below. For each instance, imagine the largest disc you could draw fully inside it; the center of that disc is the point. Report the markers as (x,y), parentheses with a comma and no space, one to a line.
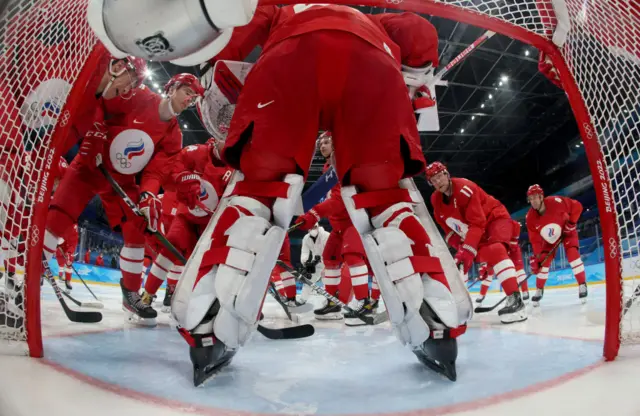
(59,221)
(374,177)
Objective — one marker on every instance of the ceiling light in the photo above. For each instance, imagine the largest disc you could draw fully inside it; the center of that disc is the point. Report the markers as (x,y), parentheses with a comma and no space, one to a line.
(186,126)
(163,95)
(526,53)
(504,78)
(577,145)
(461,130)
(155,85)
(490,96)
(473,117)
(500,83)
(148,73)
(482,106)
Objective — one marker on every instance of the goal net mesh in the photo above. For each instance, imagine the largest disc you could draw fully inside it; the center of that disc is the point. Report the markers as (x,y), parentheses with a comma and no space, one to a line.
(46,43)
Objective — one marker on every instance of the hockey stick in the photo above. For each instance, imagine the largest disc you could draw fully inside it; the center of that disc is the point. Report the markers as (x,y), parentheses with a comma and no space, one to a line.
(74,316)
(96,305)
(369,320)
(438,76)
(481,309)
(274,293)
(99,304)
(157,234)
(293,332)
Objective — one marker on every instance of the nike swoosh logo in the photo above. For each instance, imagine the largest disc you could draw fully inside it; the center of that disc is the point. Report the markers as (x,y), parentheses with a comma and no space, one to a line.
(260,105)
(137,122)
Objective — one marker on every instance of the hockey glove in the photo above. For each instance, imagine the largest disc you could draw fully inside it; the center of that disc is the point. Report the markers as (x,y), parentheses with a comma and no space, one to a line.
(310,265)
(535,266)
(151,207)
(307,221)
(423,99)
(483,271)
(569,228)
(93,144)
(453,240)
(465,257)
(188,188)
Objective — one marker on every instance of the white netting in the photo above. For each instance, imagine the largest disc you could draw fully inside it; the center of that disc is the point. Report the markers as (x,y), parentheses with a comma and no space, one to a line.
(44,45)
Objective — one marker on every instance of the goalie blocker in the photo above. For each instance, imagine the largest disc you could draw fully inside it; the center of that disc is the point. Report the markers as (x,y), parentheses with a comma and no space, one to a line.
(425,313)
(218,299)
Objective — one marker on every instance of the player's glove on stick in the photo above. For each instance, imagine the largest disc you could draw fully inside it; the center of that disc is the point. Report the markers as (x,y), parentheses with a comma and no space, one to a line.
(307,221)
(454,240)
(93,144)
(151,207)
(535,265)
(465,257)
(188,188)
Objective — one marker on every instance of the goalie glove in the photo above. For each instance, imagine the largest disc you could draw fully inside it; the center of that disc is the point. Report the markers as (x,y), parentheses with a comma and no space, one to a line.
(151,207)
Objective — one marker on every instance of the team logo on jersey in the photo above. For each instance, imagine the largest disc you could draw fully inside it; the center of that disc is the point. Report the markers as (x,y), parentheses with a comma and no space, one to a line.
(130,151)
(43,105)
(208,197)
(457,226)
(155,45)
(551,233)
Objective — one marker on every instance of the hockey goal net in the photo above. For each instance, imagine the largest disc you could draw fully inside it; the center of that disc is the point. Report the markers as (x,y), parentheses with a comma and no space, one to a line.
(47,55)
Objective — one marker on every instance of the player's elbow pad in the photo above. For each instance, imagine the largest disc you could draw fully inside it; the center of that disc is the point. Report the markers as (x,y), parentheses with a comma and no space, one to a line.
(185,32)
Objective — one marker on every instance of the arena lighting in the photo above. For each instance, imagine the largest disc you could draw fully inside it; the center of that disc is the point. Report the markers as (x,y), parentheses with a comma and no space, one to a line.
(148,73)
(473,117)
(526,53)
(186,126)
(490,96)
(482,106)
(504,78)
(461,130)
(155,85)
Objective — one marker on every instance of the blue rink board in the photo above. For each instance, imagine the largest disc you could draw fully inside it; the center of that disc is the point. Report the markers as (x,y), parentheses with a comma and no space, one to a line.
(336,371)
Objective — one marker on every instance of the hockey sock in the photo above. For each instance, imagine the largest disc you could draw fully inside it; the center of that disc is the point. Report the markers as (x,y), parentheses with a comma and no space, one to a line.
(375,290)
(541,278)
(577,265)
(331,278)
(506,273)
(158,274)
(484,287)
(359,273)
(131,267)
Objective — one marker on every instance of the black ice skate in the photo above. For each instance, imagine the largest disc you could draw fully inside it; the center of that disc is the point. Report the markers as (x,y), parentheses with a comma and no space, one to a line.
(168,295)
(479,299)
(514,311)
(139,312)
(208,354)
(583,293)
(537,297)
(329,312)
(440,351)
(525,295)
(297,307)
(67,285)
(364,308)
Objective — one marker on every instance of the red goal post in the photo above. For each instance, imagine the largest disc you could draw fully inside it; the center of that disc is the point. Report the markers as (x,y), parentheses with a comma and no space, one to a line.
(597,61)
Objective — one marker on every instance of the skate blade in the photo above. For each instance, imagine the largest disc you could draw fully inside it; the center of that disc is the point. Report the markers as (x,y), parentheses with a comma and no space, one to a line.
(133,319)
(354,322)
(535,303)
(202,375)
(514,318)
(330,317)
(301,309)
(166,309)
(446,369)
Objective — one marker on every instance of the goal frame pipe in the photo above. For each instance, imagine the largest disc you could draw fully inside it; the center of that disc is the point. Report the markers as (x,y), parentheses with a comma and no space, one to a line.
(595,157)
(38,221)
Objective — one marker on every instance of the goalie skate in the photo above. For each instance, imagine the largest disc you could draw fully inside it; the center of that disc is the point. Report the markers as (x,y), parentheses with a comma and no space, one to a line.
(419,306)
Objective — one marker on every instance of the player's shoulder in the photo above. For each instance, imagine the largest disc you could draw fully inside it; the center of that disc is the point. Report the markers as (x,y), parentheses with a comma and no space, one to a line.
(553,200)
(464,187)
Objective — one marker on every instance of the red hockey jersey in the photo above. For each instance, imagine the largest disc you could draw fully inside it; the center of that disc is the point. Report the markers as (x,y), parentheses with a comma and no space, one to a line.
(467,212)
(333,207)
(546,229)
(139,141)
(392,33)
(213,180)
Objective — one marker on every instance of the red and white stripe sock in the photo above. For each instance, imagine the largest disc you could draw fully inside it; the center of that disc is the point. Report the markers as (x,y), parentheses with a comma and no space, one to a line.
(131,259)
(505,271)
(331,278)
(158,274)
(484,286)
(577,265)
(359,273)
(521,275)
(375,289)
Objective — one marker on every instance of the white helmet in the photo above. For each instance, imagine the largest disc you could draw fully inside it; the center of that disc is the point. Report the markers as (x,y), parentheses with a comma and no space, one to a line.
(168,30)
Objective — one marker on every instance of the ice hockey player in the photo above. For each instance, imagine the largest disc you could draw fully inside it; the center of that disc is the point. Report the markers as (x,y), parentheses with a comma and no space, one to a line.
(548,220)
(486,277)
(515,254)
(313,244)
(479,227)
(65,254)
(137,142)
(344,246)
(199,185)
(322,67)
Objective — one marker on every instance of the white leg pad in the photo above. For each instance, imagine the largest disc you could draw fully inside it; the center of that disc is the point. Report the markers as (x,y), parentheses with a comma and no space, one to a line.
(240,283)
(439,249)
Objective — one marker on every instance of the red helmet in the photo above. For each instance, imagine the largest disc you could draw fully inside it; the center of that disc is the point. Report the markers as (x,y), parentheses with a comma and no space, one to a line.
(434,168)
(138,65)
(185,79)
(535,190)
